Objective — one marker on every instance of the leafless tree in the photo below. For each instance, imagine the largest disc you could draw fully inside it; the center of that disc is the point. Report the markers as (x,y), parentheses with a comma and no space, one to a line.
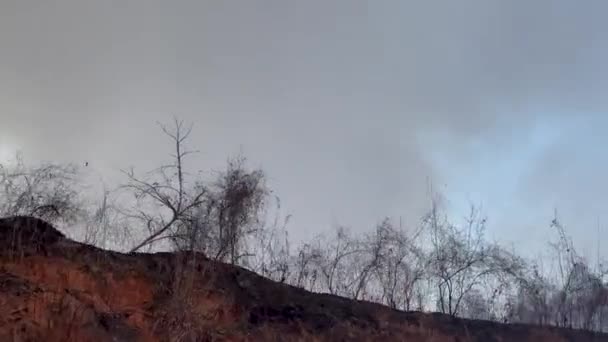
(331,261)
(460,258)
(305,273)
(531,302)
(568,294)
(475,305)
(238,197)
(103,223)
(366,262)
(383,266)
(580,294)
(269,248)
(191,214)
(164,196)
(230,212)
(48,191)
(402,268)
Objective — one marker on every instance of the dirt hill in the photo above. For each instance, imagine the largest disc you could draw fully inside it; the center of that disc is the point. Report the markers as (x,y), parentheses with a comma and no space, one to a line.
(55,289)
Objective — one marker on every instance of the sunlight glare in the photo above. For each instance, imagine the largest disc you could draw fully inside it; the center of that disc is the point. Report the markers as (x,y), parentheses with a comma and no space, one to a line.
(7,152)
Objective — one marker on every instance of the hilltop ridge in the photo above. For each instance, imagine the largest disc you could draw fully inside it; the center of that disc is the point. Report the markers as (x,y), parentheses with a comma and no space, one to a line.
(56,289)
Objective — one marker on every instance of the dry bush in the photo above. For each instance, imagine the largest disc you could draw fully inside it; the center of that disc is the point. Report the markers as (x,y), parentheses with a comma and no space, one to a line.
(47,191)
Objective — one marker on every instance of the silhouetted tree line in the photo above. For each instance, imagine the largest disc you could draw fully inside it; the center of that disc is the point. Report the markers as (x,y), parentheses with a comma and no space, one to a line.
(440,265)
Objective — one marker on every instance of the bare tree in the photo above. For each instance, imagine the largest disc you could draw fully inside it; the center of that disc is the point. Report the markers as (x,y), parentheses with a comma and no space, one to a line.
(176,206)
(331,260)
(531,302)
(164,196)
(48,191)
(367,260)
(103,223)
(574,295)
(402,267)
(305,273)
(460,259)
(239,195)
(570,294)
(230,212)
(476,306)
(272,257)
(268,246)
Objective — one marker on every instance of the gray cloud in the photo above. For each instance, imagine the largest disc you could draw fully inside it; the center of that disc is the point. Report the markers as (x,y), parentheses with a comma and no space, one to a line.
(350,105)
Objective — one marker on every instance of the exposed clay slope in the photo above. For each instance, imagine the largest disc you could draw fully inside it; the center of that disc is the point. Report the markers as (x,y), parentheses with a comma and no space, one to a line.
(54,289)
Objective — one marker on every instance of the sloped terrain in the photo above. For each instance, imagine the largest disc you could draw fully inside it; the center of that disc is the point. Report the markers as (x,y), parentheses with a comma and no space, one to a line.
(55,289)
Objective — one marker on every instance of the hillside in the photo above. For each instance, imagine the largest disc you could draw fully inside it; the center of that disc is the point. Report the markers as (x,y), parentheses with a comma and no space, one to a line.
(55,289)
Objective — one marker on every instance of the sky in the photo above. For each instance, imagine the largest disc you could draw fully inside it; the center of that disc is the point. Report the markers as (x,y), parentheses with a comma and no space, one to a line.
(351,107)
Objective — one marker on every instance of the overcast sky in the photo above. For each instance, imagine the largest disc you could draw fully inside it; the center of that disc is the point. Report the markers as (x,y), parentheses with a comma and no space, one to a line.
(350,106)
